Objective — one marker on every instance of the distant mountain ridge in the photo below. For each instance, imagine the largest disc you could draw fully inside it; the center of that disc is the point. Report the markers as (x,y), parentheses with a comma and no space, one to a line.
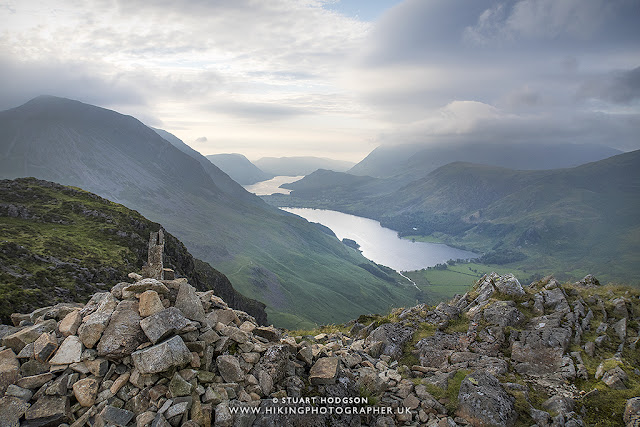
(407,162)
(300,165)
(239,168)
(302,274)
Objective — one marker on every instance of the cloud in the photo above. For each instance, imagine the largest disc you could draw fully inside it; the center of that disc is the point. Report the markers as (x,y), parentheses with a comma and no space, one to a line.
(617,87)
(466,121)
(23,80)
(201,139)
(255,110)
(255,73)
(197,66)
(519,70)
(539,20)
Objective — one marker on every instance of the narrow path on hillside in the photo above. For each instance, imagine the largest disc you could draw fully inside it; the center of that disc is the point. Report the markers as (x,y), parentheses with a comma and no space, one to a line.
(238,271)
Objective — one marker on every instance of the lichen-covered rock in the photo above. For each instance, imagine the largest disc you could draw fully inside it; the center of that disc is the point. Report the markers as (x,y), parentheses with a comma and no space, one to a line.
(503,313)
(70,351)
(11,410)
(162,357)
(85,391)
(69,325)
(482,401)
(163,324)
(8,357)
(44,347)
(9,374)
(48,411)
(148,284)
(539,349)
(393,337)
(324,371)
(150,303)
(615,378)
(632,412)
(189,303)
(229,368)
(123,334)
(508,284)
(18,340)
(559,404)
(274,361)
(91,329)
(589,281)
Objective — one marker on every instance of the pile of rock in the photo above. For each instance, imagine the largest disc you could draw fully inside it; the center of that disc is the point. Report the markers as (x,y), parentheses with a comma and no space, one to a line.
(158,353)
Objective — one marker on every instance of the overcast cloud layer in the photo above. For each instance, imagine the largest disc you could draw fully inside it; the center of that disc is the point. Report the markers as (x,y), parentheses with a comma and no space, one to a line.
(336,78)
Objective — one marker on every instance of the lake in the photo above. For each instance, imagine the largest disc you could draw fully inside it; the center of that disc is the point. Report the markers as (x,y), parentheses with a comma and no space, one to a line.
(272,186)
(382,245)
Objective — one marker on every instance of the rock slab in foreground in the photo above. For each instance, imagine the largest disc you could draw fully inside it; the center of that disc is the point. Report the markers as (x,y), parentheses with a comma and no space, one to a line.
(482,401)
(123,334)
(48,411)
(162,357)
(325,371)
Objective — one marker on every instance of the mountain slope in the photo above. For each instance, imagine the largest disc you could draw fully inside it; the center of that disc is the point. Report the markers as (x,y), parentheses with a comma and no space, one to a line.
(295,166)
(275,257)
(61,244)
(588,216)
(221,178)
(239,168)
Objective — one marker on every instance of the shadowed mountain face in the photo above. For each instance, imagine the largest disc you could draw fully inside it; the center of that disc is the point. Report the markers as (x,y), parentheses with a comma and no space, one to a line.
(239,168)
(117,157)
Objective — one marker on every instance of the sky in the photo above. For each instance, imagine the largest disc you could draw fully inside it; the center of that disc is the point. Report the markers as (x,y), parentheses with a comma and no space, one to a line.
(336,78)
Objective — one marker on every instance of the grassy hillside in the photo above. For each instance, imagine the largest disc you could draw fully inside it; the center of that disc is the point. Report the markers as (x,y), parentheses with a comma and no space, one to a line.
(60,244)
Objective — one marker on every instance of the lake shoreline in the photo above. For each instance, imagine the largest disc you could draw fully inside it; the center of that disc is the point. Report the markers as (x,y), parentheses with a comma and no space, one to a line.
(383,245)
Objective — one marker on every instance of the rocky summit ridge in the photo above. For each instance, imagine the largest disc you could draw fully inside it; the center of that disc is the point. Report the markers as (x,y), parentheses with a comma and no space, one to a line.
(155,352)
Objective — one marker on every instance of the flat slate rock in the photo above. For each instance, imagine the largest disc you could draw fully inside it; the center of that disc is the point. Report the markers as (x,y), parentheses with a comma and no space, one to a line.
(189,303)
(161,357)
(70,351)
(123,334)
(11,409)
(116,416)
(48,411)
(163,324)
(324,371)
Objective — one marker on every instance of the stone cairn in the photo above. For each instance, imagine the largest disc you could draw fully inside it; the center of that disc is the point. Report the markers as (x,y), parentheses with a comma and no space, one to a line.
(154,268)
(157,353)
